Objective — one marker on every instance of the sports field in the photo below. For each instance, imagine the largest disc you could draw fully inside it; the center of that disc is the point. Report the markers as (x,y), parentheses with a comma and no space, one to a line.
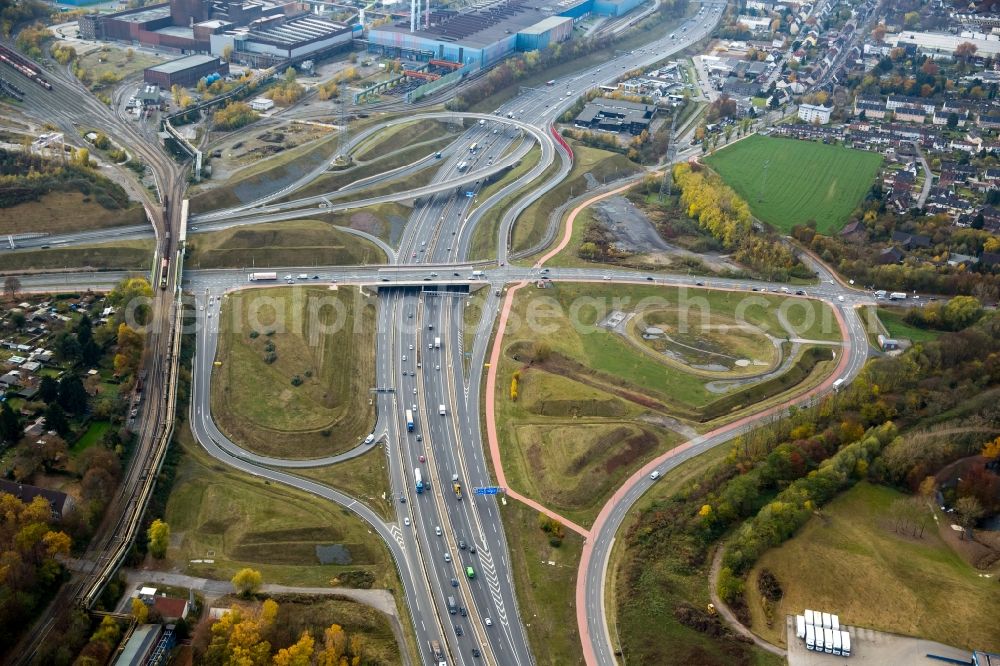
(804,180)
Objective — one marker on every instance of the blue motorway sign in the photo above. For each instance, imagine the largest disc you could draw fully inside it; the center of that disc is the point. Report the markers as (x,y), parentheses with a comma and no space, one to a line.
(489,490)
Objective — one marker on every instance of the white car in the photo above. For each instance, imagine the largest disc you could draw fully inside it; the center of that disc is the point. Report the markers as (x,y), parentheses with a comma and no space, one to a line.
(840,298)
(406,521)
(655,475)
(488,621)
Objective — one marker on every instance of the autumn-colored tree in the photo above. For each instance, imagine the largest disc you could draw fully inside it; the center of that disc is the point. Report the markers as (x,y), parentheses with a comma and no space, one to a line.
(159,538)
(966,50)
(298,654)
(237,638)
(991,450)
(29,568)
(129,351)
(969,511)
(334,644)
(140,611)
(247,581)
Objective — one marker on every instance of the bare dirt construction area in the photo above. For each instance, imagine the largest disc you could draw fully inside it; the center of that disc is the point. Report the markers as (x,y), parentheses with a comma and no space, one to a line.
(241,150)
(635,233)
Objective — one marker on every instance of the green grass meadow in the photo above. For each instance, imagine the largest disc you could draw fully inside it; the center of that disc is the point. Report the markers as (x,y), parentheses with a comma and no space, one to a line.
(804,180)
(852,560)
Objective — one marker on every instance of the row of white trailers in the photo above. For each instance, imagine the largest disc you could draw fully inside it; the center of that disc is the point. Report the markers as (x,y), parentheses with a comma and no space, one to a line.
(822,633)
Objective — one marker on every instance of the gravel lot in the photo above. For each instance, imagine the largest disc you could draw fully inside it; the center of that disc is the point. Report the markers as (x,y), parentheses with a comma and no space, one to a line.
(876,648)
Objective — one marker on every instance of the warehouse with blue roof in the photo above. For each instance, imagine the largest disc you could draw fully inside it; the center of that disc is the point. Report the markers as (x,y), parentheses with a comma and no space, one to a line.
(489,32)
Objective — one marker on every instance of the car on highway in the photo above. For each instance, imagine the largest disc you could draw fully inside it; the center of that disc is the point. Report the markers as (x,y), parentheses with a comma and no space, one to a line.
(458,630)
(700,284)
(414,390)
(655,475)
(447,557)
(488,622)
(463,612)
(402,499)
(422,459)
(404,357)
(475,653)
(437,530)
(840,298)
(607,277)
(454,582)
(406,521)
(461,544)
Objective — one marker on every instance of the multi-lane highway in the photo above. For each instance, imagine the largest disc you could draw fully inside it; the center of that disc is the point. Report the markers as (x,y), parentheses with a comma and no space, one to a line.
(436,535)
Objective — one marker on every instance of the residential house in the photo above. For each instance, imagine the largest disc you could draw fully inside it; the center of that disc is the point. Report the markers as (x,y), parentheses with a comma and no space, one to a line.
(890,255)
(61,503)
(910,241)
(909,114)
(171,609)
(813,113)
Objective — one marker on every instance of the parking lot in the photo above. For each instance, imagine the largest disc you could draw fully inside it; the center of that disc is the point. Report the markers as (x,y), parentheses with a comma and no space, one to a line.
(871,647)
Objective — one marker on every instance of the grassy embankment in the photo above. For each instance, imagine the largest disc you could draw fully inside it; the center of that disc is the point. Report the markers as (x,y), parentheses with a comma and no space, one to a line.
(601,165)
(365,477)
(125,255)
(321,337)
(644,620)
(266,176)
(805,180)
(851,559)
(294,243)
(66,212)
(236,520)
(407,134)
(594,406)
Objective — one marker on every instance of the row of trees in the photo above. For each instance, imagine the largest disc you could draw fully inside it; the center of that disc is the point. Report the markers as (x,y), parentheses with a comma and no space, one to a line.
(234,116)
(29,548)
(246,636)
(27,177)
(954,315)
(726,217)
(288,91)
(928,380)
(786,513)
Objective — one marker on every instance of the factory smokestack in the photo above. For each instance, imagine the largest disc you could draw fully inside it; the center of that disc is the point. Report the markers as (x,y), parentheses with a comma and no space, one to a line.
(413,15)
(427,13)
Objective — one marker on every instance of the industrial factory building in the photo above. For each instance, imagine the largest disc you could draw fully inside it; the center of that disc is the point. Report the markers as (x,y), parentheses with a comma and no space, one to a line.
(487,33)
(265,30)
(288,39)
(184,71)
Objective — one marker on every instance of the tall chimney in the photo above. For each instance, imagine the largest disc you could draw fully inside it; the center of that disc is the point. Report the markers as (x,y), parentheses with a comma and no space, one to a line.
(427,13)
(413,15)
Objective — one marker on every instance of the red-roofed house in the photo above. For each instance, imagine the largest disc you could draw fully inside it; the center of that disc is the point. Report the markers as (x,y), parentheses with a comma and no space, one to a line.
(171,608)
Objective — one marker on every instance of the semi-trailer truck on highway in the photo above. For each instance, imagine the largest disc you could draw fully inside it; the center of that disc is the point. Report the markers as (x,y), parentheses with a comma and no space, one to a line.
(436,650)
(409,421)
(419,481)
(255,277)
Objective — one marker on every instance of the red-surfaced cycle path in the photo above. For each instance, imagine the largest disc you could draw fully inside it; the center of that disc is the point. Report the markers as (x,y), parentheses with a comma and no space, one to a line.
(637,477)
